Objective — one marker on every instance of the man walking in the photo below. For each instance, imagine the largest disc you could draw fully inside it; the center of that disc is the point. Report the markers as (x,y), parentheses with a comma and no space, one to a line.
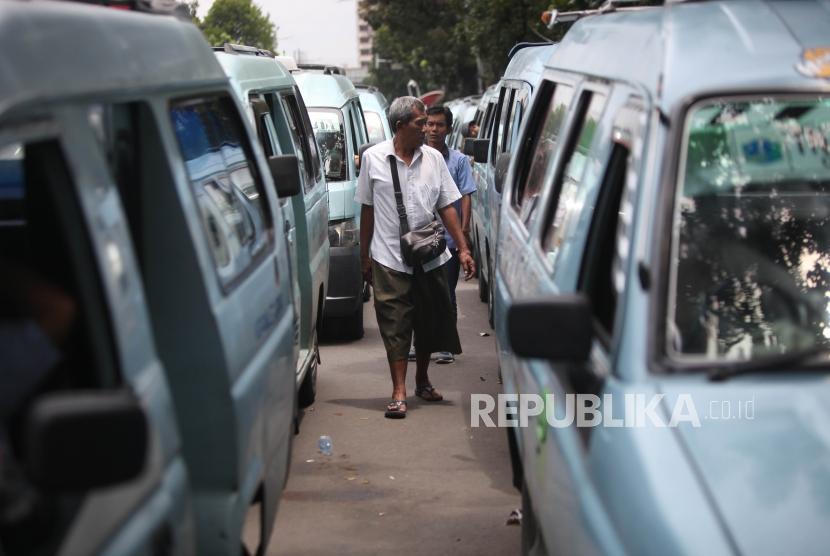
(439,124)
(409,299)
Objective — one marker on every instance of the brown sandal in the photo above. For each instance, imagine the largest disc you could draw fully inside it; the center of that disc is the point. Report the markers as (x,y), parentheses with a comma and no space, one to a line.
(428,393)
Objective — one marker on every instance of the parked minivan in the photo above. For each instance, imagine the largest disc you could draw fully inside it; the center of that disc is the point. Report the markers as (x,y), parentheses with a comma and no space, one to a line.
(340,129)
(140,214)
(277,111)
(374,111)
(664,239)
(493,151)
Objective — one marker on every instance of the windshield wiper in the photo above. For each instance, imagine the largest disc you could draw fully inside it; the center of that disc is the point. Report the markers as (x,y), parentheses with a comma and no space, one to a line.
(808,359)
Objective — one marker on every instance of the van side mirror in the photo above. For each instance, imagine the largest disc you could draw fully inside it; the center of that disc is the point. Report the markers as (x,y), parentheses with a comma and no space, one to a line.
(363,148)
(285,169)
(502,164)
(82,440)
(556,328)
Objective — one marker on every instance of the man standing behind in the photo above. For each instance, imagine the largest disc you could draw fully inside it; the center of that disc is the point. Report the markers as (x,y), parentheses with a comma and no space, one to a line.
(439,123)
(409,298)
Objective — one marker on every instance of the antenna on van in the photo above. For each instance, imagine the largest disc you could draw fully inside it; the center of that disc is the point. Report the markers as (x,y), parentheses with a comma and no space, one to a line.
(552,17)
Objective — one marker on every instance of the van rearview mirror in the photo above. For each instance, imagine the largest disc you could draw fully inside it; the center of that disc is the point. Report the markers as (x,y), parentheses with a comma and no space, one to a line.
(556,328)
(80,440)
(285,170)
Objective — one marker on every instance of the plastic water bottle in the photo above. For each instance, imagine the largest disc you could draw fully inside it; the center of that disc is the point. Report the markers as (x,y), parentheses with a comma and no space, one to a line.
(324,444)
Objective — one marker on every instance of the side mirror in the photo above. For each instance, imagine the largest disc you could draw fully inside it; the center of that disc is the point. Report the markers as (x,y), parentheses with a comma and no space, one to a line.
(502,164)
(468,146)
(84,440)
(363,148)
(285,169)
(556,328)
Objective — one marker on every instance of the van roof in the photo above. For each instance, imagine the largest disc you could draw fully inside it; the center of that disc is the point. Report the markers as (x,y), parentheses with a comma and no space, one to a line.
(62,49)
(684,49)
(325,91)
(528,63)
(254,73)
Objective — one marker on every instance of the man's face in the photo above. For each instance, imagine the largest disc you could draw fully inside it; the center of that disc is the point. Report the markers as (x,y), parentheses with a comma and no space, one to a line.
(411,134)
(437,130)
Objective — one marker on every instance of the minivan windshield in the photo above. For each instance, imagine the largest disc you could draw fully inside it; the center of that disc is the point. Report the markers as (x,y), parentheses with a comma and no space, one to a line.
(750,258)
(329,131)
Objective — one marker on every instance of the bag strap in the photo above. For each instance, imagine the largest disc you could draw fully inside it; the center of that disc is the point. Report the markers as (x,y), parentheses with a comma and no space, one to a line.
(393,165)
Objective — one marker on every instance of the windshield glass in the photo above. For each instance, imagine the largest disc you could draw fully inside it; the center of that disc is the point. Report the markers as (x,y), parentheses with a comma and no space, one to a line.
(374,126)
(750,265)
(331,139)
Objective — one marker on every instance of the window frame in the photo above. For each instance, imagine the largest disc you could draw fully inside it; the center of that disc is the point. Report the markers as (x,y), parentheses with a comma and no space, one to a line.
(227,286)
(571,130)
(657,274)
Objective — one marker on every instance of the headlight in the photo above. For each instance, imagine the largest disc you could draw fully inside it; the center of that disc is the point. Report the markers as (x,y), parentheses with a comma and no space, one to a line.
(344,233)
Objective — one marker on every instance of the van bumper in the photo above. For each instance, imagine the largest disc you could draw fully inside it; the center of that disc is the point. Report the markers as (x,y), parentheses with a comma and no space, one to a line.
(344,295)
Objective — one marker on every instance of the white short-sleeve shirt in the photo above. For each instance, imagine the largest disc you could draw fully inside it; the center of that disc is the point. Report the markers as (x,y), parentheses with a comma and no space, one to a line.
(426,186)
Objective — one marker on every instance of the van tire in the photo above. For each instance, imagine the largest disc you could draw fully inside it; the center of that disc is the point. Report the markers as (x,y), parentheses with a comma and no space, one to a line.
(353,325)
(308,389)
(483,294)
(532,542)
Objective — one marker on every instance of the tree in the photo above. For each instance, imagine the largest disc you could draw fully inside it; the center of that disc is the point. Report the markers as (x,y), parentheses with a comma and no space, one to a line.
(240,22)
(455,45)
(192,8)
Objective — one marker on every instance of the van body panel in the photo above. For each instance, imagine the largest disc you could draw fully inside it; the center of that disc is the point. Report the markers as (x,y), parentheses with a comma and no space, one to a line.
(723,486)
(334,98)
(305,214)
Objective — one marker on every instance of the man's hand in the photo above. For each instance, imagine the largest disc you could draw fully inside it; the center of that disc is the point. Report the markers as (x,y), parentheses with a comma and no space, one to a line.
(366,268)
(467,263)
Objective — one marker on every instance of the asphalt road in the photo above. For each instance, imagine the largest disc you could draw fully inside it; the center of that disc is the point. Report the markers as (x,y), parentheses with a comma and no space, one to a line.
(427,484)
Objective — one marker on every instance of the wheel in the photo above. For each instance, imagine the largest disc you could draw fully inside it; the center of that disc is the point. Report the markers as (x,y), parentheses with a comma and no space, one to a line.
(308,389)
(491,283)
(351,327)
(532,542)
(483,293)
(367,292)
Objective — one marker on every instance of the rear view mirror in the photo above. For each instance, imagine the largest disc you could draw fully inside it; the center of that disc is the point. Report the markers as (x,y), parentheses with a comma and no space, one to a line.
(84,440)
(285,170)
(468,146)
(481,149)
(502,164)
(363,148)
(557,328)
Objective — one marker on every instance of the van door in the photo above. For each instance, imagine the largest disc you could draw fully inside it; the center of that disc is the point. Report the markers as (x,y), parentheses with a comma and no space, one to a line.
(70,285)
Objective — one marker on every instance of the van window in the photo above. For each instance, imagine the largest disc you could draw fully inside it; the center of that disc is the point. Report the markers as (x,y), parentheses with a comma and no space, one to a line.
(225,182)
(519,108)
(308,135)
(362,134)
(505,110)
(55,327)
(375,126)
(602,275)
(355,134)
(329,130)
(750,257)
(300,142)
(568,183)
(538,160)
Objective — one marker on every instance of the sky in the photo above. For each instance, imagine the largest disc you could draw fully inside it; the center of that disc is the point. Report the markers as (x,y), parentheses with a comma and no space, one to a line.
(315,31)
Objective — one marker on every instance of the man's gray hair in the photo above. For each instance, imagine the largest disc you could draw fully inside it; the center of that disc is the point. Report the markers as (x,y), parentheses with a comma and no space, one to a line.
(401,110)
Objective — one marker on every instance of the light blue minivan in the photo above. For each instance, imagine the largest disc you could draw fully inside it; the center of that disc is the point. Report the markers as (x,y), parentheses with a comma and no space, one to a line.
(277,111)
(135,203)
(492,153)
(337,118)
(663,253)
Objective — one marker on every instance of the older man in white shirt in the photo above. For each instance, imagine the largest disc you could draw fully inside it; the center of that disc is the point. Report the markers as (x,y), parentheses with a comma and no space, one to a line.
(409,299)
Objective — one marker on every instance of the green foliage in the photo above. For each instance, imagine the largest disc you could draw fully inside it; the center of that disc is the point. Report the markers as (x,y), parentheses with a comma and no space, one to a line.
(455,45)
(240,22)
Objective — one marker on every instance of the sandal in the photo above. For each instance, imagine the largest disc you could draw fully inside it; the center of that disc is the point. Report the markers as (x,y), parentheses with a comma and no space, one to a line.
(396,409)
(428,393)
